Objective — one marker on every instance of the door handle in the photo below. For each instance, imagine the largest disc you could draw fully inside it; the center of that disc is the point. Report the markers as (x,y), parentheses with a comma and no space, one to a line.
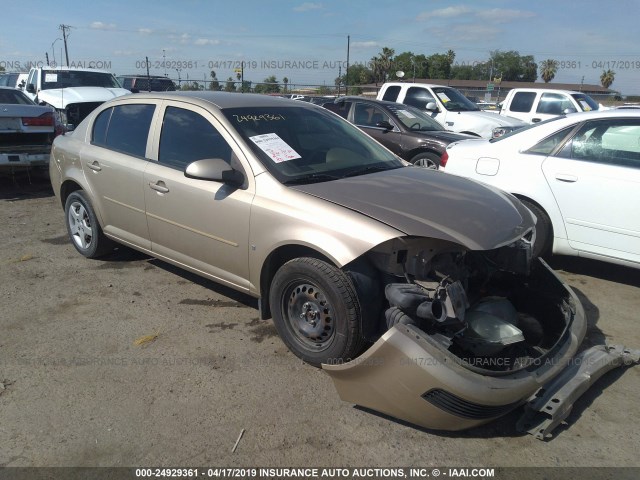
(95,166)
(159,186)
(536,120)
(563,177)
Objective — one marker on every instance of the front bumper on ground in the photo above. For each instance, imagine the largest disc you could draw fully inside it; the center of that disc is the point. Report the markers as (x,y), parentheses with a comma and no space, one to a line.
(408,375)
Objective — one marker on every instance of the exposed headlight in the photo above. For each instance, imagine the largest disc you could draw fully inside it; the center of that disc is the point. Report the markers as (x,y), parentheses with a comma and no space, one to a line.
(500,131)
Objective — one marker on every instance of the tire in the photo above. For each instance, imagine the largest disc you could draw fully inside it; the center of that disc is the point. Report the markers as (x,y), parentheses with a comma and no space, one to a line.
(83,227)
(426,160)
(316,311)
(544,231)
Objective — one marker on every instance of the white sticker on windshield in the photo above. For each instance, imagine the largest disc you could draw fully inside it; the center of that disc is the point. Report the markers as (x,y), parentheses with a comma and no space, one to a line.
(50,77)
(585,106)
(277,149)
(443,97)
(406,113)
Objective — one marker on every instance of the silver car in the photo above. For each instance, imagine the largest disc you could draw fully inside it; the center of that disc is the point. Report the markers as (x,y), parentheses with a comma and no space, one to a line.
(345,245)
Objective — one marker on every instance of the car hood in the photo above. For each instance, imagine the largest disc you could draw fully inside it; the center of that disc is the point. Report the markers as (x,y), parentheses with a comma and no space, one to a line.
(492,119)
(62,97)
(427,203)
(444,135)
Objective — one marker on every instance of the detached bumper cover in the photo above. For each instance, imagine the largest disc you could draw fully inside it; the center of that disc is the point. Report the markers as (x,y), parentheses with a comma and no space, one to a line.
(409,375)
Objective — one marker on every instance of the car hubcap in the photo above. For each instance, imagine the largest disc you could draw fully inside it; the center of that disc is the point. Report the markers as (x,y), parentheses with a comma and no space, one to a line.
(80,225)
(309,314)
(426,163)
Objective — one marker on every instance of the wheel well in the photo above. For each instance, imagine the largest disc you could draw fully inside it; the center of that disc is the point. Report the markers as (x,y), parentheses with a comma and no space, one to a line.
(418,151)
(66,189)
(527,199)
(274,261)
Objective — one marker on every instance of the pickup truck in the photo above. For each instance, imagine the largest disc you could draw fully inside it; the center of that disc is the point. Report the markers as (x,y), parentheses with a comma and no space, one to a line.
(72,92)
(450,108)
(533,105)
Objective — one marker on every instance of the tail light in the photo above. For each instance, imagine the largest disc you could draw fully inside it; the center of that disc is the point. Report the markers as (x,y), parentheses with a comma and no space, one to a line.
(444,158)
(44,120)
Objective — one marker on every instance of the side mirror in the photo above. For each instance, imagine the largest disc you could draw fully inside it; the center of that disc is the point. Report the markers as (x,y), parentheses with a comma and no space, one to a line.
(31,88)
(432,107)
(569,110)
(214,169)
(384,124)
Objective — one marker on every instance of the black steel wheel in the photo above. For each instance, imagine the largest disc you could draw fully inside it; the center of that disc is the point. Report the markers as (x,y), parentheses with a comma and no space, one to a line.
(316,311)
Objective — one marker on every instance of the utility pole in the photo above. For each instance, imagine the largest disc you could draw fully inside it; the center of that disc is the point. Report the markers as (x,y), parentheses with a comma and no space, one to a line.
(64,37)
(346,75)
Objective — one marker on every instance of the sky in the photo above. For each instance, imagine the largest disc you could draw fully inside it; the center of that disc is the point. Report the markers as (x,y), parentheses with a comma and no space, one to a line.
(306,41)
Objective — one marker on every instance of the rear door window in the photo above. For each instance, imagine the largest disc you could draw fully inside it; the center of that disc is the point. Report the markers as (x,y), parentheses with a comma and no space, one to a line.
(124,128)
(522,102)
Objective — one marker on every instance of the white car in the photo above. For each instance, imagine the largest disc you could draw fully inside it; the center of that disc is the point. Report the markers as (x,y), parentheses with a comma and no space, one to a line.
(579,174)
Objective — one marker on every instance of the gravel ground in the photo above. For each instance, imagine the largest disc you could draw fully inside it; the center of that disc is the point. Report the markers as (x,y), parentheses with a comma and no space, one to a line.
(76,389)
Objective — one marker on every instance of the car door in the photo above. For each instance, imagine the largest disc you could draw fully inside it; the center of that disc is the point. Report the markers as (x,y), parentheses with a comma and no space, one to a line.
(367,117)
(595,179)
(200,224)
(114,163)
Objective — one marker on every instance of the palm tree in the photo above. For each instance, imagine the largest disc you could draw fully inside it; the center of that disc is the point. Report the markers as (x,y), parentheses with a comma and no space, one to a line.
(607,78)
(285,80)
(548,69)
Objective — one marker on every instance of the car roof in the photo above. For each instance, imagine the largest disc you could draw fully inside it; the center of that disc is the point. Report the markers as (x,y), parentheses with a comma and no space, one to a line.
(384,103)
(222,99)
(409,84)
(70,69)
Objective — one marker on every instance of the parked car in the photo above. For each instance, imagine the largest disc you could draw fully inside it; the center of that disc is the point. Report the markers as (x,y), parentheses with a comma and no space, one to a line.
(579,174)
(13,79)
(406,131)
(341,241)
(144,83)
(72,92)
(26,130)
(450,108)
(533,105)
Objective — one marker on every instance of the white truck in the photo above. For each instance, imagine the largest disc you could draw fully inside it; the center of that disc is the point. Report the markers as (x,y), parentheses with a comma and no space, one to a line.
(533,105)
(72,92)
(450,108)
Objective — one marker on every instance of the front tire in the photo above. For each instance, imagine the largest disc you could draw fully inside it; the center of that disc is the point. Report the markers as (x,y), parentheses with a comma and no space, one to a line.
(426,160)
(83,227)
(316,311)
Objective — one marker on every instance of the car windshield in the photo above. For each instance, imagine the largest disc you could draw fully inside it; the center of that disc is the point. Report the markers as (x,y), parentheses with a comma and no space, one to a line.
(414,119)
(302,144)
(454,101)
(14,97)
(73,78)
(585,101)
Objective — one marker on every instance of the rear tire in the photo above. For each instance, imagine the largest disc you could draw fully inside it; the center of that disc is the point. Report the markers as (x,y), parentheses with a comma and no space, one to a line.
(83,227)
(316,311)
(544,231)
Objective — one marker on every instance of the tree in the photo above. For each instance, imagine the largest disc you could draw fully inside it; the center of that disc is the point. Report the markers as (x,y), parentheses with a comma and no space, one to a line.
(285,80)
(191,86)
(439,64)
(607,78)
(511,66)
(214,84)
(548,69)
(382,64)
(268,85)
(230,85)
(413,66)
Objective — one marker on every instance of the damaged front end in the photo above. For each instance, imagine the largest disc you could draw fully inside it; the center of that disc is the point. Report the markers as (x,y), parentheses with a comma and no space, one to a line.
(470,335)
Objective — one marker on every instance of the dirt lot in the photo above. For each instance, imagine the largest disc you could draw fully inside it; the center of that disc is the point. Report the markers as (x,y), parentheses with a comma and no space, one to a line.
(77,391)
